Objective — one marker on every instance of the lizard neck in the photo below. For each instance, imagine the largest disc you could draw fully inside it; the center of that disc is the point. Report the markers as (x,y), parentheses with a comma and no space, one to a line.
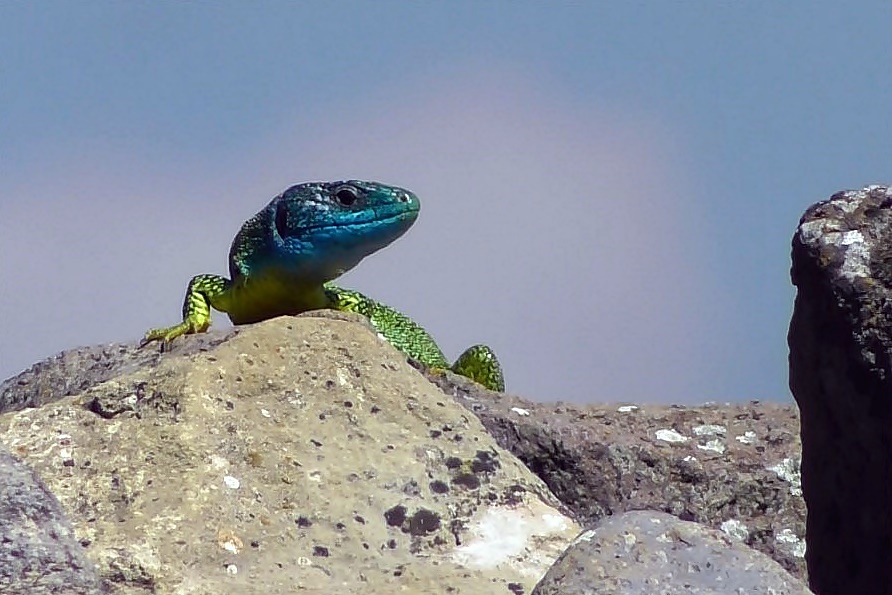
(268,295)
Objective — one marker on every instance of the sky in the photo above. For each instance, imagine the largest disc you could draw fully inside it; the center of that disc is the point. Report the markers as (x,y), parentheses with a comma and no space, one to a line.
(609,189)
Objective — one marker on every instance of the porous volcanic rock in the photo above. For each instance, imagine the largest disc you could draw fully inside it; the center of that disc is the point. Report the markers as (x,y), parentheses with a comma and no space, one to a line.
(38,550)
(841,377)
(295,455)
(732,467)
(235,411)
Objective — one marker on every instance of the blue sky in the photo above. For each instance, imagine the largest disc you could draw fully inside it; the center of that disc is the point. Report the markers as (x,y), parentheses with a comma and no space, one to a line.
(609,189)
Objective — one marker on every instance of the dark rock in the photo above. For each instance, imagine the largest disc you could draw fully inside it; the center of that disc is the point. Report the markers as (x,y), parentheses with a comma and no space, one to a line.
(730,467)
(841,377)
(38,549)
(644,553)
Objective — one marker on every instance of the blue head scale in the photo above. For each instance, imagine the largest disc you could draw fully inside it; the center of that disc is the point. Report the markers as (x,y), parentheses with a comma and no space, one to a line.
(322,229)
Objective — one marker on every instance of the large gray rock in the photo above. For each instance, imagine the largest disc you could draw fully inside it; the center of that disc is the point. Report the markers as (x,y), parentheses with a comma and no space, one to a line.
(731,467)
(653,553)
(299,454)
(38,550)
(361,476)
(841,377)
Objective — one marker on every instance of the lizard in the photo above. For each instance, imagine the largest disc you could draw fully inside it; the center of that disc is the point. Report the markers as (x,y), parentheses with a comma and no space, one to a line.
(283,259)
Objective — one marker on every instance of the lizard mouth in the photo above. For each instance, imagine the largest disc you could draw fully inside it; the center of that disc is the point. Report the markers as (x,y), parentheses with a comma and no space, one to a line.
(358,223)
(383,222)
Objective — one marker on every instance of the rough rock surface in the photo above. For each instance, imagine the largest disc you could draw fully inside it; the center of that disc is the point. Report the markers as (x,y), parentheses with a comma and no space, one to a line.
(841,376)
(645,553)
(731,467)
(734,468)
(38,551)
(293,455)
(76,370)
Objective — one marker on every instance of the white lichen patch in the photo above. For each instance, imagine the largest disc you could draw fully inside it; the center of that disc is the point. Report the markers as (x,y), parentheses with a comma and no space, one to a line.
(789,470)
(787,537)
(813,232)
(748,437)
(515,536)
(849,202)
(832,232)
(735,529)
(715,445)
(667,435)
(857,196)
(710,430)
(856,262)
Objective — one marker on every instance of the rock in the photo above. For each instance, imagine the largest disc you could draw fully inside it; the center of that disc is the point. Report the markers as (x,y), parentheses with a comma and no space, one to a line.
(38,550)
(194,414)
(841,377)
(75,370)
(645,553)
(298,454)
(732,467)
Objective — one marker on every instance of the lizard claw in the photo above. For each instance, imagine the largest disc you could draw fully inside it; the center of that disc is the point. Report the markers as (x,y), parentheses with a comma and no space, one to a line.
(164,335)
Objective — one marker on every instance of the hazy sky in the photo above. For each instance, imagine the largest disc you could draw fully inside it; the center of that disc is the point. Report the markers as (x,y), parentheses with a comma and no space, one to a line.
(609,189)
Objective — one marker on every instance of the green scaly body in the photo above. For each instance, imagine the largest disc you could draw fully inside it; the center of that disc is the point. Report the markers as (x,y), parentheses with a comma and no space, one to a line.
(282,259)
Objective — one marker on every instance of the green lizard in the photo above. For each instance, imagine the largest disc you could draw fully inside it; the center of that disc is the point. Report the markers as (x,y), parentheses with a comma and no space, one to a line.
(282,259)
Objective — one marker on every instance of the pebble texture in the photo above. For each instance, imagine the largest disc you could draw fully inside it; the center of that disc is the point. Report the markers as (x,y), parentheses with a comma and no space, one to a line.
(38,550)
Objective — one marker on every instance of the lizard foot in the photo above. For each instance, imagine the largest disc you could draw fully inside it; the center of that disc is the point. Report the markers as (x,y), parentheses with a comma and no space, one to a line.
(167,334)
(480,364)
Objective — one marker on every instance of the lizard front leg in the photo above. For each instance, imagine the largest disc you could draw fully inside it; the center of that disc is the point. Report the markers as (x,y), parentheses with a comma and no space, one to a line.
(479,363)
(202,292)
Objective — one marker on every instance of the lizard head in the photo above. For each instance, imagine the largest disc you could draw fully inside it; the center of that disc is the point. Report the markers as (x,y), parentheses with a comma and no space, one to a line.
(319,230)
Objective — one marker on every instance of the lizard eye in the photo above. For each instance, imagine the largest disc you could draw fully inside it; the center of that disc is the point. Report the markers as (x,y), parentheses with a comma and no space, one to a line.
(346,196)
